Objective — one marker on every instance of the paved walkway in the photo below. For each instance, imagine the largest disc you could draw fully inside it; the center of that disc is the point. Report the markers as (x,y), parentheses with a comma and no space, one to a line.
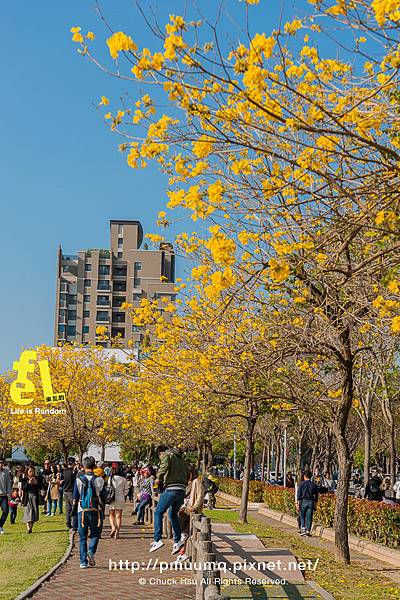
(105,583)
(113,579)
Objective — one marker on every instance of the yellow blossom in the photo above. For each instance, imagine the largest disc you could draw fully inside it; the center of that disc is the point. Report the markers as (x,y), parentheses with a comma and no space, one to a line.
(120,42)
(278,270)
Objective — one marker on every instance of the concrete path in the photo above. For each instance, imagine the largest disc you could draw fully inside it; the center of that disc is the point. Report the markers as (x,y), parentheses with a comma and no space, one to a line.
(254,571)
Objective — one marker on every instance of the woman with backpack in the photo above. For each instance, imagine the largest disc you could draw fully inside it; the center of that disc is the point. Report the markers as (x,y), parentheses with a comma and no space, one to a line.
(116,490)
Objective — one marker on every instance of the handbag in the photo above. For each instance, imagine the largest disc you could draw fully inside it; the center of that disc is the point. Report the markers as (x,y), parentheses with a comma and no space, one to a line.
(109,494)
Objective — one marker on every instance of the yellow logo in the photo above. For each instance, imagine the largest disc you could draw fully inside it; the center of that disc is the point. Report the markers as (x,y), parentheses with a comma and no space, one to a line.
(22,389)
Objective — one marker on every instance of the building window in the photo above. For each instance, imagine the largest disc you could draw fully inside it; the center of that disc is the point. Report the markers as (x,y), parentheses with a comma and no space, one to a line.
(85,329)
(72,299)
(61,328)
(62,313)
(87,282)
(119,286)
(71,330)
(88,267)
(120,242)
(119,317)
(118,301)
(119,255)
(103,301)
(118,332)
(86,314)
(137,282)
(137,266)
(104,269)
(64,287)
(137,297)
(72,315)
(102,315)
(65,269)
(119,271)
(103,284)
(86,298)
(136,344)
(120,229)
(136,328)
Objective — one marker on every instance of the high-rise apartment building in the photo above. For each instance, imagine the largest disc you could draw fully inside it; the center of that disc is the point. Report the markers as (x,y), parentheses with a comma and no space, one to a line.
(92,286)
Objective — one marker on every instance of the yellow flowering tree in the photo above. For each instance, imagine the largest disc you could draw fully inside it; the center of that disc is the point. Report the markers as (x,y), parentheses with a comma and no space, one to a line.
(291,155)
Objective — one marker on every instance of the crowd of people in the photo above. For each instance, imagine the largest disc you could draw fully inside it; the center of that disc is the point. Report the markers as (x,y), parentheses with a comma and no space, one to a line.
(84,490)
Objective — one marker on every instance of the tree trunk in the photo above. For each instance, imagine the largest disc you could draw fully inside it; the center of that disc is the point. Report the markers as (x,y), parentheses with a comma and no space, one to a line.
(210,456)
(367,446)
(65,450)
(264,459)
(251,421)
(268,464)
(342,551)
(103,452)
(199,451)
(277,458)
(392,451)
(342,495)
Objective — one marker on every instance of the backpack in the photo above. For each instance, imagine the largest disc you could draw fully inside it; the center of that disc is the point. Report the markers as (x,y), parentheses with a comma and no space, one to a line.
(109,492)
(89,497)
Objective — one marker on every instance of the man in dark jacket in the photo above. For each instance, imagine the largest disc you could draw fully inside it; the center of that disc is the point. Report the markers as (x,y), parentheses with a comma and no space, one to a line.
(173,474)
(306,502)
(69,476)
(373,488)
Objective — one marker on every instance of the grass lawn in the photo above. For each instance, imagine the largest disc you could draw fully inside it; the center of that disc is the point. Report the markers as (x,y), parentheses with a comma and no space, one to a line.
(344,582)
(24,558)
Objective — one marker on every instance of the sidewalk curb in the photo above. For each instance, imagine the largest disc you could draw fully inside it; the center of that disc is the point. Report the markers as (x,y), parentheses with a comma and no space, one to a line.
(325,595)
(35,586)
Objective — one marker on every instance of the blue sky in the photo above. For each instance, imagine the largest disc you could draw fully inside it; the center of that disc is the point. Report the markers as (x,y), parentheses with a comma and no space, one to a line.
(62,177)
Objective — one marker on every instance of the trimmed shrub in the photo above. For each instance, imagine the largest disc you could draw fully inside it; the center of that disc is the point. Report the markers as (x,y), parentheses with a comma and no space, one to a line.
(374,521)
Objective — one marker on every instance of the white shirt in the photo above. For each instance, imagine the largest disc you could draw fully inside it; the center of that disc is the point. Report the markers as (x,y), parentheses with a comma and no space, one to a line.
(396,489)
(121,487)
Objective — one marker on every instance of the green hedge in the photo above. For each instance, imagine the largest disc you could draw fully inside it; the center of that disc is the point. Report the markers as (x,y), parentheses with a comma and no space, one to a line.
(374,521)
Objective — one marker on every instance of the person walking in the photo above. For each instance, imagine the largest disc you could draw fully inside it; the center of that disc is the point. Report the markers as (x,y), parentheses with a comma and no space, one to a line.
(53,491)
(373,491)
(145,495)
(88,500)
(117,480)
(30,498)
(193,504)
(60,474)
(306,502)
(5,491)
(396,491)
(173,474)
(290,482)
(69,476)
(13,505)
(43,481)
(300,478)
